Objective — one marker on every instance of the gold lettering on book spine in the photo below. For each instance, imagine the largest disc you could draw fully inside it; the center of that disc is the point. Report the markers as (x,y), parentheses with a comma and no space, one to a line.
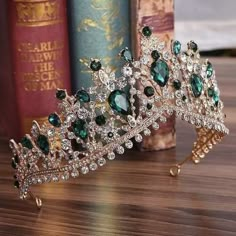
(31,13)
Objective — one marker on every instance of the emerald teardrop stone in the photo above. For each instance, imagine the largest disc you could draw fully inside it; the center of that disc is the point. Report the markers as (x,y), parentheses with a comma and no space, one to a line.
(155,55)
(160,72)
(216,98)
(176,47)
(146,31)
(100,120)
(82,96)
(196,84)
(210,92)
(209,70)
(95,65)
(149,91)
(119,102)
(54,120)
(26,143)
(43,144)
(177,84)
(60,94)
(126,55)
(149,106)
(79,129)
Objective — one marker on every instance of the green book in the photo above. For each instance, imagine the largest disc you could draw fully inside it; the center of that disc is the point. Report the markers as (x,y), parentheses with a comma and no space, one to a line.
(98,29)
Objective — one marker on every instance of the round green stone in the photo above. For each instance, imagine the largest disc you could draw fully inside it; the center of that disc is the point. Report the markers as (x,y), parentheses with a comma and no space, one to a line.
(100,120)
(155,55)
(176,47)
(43,144)
(196,85)
(146,31)
(193,46)
(54,120)
(26,143)
(82,96)
(16,184)
(149,91)
(160,72)
(210,92)
(149,106)
(209,70)
(60,94)
(126,55)
(119,102)
(95,65)
(79,129)
(177,84)
(110,134)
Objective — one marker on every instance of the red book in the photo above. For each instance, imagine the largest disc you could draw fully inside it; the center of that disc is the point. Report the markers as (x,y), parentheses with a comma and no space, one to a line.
(39,63)
(160,16)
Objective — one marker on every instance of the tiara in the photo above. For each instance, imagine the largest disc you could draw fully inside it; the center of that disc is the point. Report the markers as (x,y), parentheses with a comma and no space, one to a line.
(97,123)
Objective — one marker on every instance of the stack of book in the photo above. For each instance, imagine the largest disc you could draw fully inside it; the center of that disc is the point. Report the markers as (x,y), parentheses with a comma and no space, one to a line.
(47,43)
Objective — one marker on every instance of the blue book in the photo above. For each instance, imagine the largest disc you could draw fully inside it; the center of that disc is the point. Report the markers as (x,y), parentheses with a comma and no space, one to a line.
(98,29)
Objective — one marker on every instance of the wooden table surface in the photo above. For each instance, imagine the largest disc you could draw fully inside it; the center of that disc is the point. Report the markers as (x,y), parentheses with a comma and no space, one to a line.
(134,194)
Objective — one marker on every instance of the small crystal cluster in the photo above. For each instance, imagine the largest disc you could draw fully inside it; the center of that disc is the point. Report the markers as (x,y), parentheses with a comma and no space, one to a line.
(97,123)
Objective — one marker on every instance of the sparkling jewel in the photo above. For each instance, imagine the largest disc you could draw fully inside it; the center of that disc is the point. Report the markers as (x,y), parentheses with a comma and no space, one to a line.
(100,120)
(147,132)
(149,106)
(129,144)
(60,94)
(160,72)
(101,161)
(146,31)
(93,166)
(119,102)
(95,65)
(54,120)
(82,96)
(26,143)
(177,84)
(197,85)
(149,91)
(210,92)
(120,150)
(126,55)
(43,144)
(127,71)
(111,156)
(176,47)
(138,138)
(155,55)
(209,70)
(84,170)
(79,129)
(193,46)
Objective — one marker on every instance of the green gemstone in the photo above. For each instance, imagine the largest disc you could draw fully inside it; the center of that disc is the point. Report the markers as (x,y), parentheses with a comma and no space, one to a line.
(196,84)
(100,120)
(146,31)
(149,91)
(16,184)
(176,47)
(177,84)
(119,102)
(155,55)
(216,98)
(54,120)
(26,143)
(110,134)
(126,55)
(82,96)
(193,46)
(210,92)
(184,98)
(43,144)
(160,72)
(209,70)
(13,164)
(149,106)
(95,65)
(60,94)
(79,129)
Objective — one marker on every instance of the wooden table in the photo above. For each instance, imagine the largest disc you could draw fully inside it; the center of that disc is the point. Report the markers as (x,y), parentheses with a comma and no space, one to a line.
(134,194)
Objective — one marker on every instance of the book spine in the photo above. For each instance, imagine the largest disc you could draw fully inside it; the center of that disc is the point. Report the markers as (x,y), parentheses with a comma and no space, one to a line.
(40,56)
(98,29)
(159,14)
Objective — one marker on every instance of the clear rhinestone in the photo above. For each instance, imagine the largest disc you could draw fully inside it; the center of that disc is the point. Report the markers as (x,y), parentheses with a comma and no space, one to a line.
(101,161)
(161,46)
(138,138)
(65,144)
(51,132)
(147,132)
(84,170)
(132,81)
(121,82)
(155,126)
(111,156)
(144,60)
(75,173)
(129,144)
(166,55)
(120,150)
(127,71)
(131,121)
(93,166)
